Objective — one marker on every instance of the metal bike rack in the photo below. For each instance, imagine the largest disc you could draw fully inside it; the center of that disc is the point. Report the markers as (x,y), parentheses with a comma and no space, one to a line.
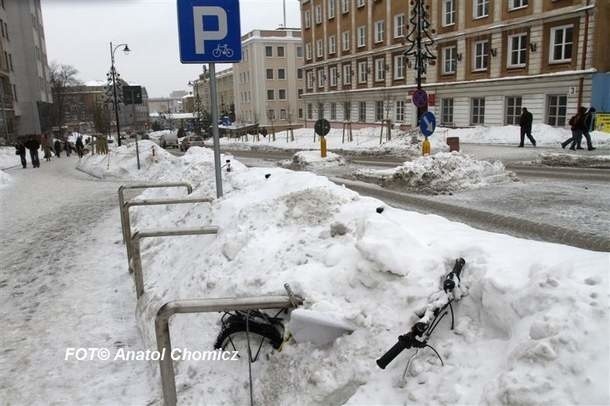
(135,263)
(162,332)
(122,189)
(151,202)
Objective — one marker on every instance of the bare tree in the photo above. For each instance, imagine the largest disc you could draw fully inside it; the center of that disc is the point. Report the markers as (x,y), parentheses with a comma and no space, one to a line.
(62,76)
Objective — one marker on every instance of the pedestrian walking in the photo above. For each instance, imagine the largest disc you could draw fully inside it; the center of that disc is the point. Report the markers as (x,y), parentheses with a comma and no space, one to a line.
(67,148)
(589,125)
(577,125)
(79,146)
(46,147)
(525,122)
(57,148)
(20,150)
(33,145)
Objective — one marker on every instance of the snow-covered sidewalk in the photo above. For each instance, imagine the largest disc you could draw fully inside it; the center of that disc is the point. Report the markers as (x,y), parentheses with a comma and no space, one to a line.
(64,283)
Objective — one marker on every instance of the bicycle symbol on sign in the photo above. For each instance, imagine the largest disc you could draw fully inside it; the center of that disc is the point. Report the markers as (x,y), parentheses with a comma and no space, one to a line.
(223,50)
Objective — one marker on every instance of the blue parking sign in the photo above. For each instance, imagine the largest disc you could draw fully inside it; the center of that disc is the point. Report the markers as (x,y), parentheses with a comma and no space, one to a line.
(209,31)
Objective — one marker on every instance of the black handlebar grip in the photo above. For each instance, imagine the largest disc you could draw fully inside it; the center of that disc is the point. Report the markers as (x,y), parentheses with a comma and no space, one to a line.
(457,268)
(391,354)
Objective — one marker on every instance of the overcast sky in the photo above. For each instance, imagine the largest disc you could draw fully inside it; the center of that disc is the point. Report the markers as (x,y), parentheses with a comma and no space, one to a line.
(78,33)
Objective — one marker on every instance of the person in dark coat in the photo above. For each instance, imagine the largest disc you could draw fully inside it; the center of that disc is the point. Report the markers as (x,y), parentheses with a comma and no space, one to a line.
(589,125)
(525,122)
(79,146)
(20,150)
(67,148)
(33,145)
(577,124)
(57,148)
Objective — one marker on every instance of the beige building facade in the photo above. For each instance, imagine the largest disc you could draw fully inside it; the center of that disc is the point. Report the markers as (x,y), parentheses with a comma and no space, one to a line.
(268,82)
(493,58)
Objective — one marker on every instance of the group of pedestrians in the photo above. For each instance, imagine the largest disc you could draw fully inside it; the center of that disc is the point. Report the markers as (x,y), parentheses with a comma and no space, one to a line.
(581,125)
(33,144)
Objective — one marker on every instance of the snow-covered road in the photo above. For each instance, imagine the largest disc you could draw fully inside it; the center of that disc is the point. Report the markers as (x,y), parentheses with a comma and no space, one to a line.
(57,291)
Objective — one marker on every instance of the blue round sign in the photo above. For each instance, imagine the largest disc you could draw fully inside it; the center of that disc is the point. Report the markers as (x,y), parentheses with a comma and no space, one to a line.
(427,124)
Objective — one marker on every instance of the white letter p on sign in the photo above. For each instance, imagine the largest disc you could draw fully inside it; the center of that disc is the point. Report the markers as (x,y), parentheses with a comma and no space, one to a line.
(201,34)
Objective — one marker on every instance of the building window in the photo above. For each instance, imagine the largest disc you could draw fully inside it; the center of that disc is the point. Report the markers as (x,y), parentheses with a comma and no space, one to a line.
(513,110)
(307,19)
(448,12)
(400,110)
(362,111)
(361,36)
(283,114)
(481,55)
(281,73)
(271,114)
(319,48)
(300,93)
(282,94)
(320,111)
(345,40)
(347,111)
(280,52)
(332,73)
(269,73)
(556,113)
(379,110)
(299,52)
(362,74)
(332,45)
(360,3)
(516,4)
(399,26)
(449,60)
(15,93)
(308,51)
(321,78)
(480,8)
(300,113)
(517,50)
(270,94)
(333,111)
(379,70)
(318,14)
(561,44)
(347,74)
(379,31)
(309,79)
(269,51)
(447,111)
(331,9)
(399,67)
(477,116)
(299,73)
(10,62)
(345,6)
(309,111)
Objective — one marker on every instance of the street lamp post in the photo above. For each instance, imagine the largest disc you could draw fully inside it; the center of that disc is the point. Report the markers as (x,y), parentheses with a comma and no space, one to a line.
(114,92)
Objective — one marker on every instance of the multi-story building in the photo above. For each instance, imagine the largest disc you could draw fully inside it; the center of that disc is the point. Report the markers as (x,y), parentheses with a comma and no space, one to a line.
(493,58)
(172,104)
(225,90)
(24,74)
(268,82)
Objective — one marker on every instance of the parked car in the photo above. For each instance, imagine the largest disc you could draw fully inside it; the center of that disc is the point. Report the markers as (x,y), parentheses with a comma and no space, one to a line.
(191,141)
(169,140)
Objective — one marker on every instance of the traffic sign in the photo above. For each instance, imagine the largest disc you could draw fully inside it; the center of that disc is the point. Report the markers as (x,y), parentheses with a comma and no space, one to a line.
(209,31)
(322,127)
(427,124)
(420,98)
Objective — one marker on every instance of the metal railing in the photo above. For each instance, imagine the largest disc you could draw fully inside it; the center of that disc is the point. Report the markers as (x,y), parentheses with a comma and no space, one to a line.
(162,332)
(122,189)
(135,262)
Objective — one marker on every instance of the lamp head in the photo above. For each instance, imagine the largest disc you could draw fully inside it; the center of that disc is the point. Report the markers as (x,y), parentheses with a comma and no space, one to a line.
(126,50)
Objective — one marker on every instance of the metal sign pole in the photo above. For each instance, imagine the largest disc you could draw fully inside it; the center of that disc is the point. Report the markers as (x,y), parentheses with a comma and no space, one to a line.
(214,111)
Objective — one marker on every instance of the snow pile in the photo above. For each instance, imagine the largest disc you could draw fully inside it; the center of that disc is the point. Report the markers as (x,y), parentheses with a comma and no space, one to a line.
(544,134)
(365,142)
(442,172)
(5,179)
(590,161)
(8,159)
(530,330)
(307,160)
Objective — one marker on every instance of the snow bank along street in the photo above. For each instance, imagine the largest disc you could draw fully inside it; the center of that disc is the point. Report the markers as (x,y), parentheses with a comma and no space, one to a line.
(531,327)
